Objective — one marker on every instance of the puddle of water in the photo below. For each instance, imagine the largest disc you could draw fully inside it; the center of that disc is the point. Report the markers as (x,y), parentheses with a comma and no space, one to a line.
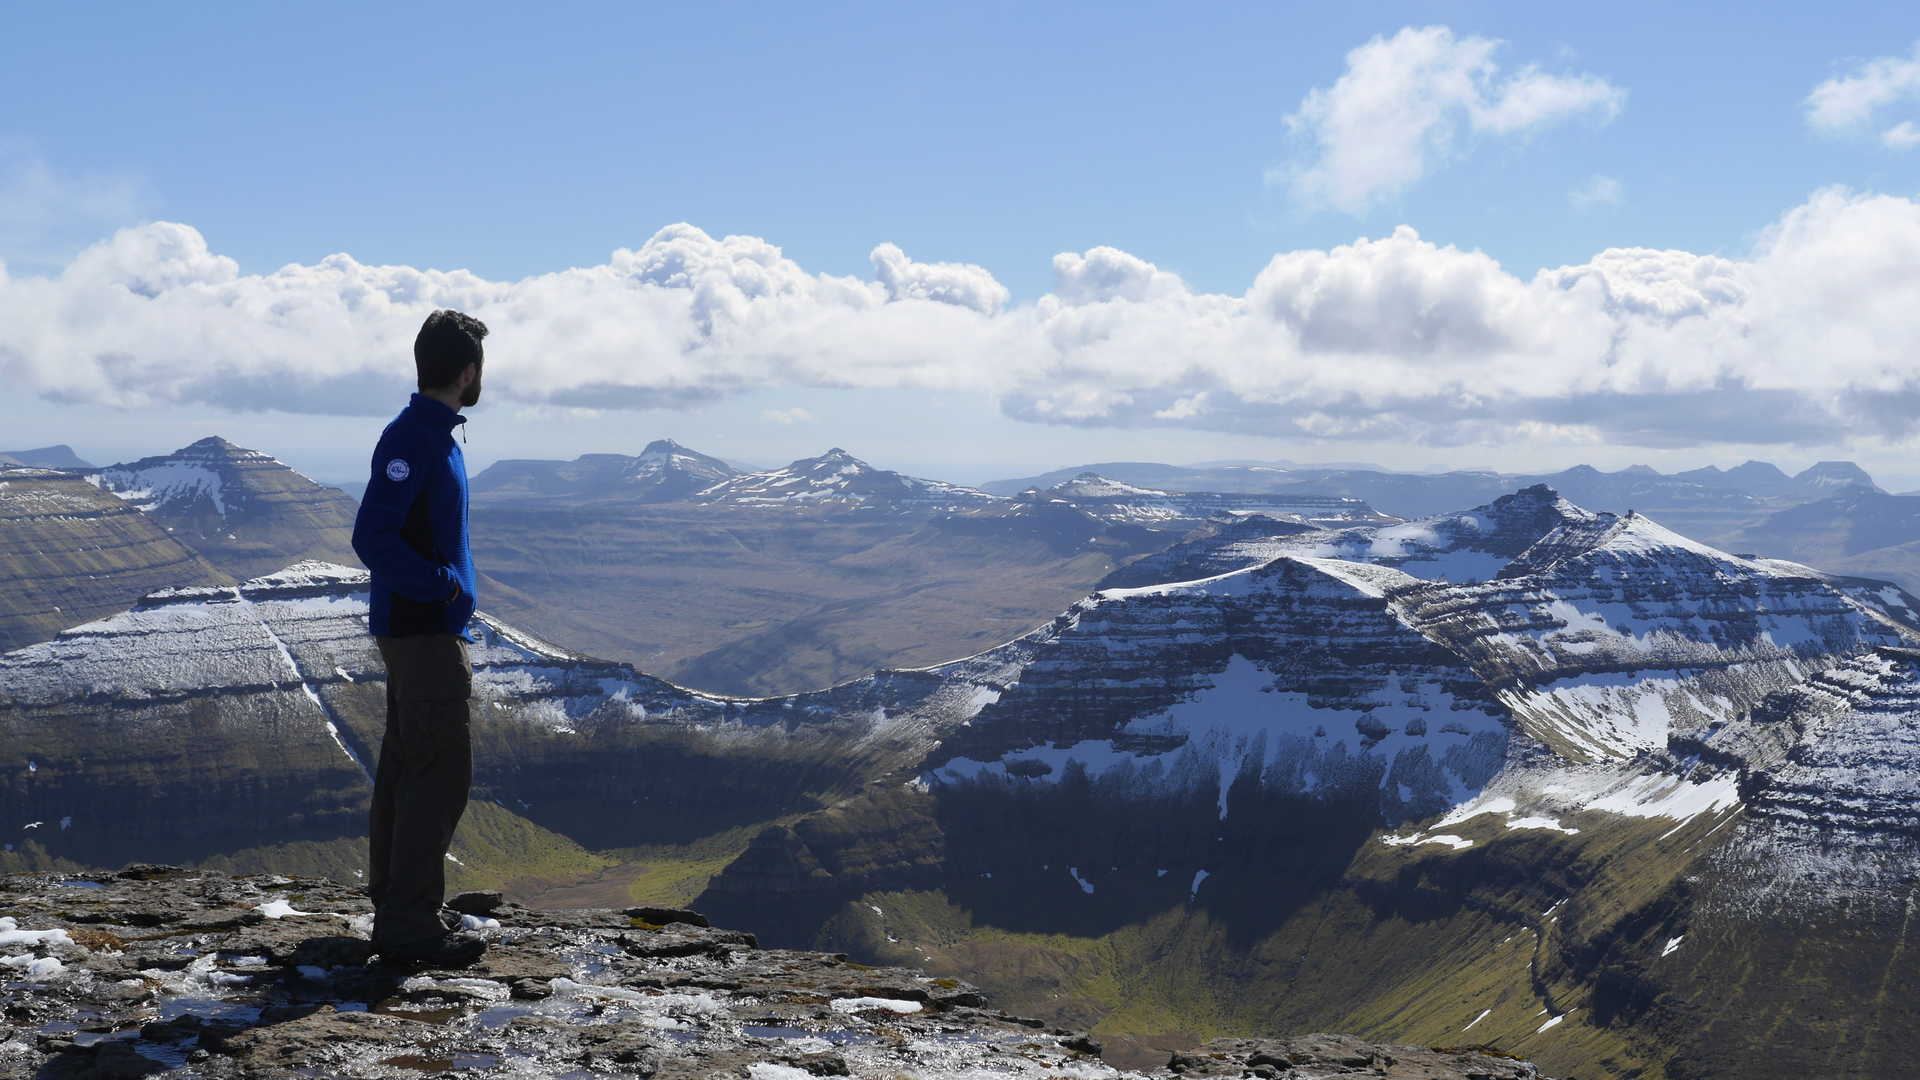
(501,1015)
(57,1027)
(422,1063)
(587,961)
(777,1031)
(94,1038)
(424,1014)
(209,1009)
(172,1055)
(419,1062)
(81,884)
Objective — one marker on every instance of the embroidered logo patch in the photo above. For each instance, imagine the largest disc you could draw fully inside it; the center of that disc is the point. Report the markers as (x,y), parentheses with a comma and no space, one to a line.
(398,470)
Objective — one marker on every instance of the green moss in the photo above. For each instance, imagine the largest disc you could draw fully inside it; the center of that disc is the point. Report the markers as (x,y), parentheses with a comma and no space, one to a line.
(496,846)
(671,875)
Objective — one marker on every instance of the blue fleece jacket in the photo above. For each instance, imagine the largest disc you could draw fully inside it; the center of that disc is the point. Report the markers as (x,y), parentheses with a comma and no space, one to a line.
(411,531)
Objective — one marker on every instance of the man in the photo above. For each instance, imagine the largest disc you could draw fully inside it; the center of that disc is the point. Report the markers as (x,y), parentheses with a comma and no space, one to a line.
(412,534)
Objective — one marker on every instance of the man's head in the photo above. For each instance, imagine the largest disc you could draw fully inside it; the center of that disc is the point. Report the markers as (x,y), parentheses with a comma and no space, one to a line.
(447,355)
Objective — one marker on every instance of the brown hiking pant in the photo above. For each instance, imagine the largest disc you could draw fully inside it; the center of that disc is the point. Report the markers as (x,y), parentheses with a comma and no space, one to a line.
(420,790)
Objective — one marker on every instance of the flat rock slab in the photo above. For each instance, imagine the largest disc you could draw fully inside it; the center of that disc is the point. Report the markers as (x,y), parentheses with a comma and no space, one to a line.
(161,971)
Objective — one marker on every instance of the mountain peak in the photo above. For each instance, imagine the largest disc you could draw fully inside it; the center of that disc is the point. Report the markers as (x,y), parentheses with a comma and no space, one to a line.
(661,446)
(1836,474)
(212,443)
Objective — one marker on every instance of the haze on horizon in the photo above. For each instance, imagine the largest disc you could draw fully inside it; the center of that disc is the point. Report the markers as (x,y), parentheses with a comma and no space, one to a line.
(975,245)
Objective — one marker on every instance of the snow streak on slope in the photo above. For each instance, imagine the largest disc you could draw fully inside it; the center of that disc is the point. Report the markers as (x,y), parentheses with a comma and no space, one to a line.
(327,715)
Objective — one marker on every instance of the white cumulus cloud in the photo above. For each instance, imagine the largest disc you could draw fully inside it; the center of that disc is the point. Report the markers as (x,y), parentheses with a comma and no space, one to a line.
(1805,339)
(1848,103)
(1401,103)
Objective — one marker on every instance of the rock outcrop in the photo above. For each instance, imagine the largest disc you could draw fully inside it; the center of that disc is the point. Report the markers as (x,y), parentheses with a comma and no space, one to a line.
(156,970)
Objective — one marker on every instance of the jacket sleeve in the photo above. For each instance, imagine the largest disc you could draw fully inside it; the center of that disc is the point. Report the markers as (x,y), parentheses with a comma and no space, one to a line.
(377,537)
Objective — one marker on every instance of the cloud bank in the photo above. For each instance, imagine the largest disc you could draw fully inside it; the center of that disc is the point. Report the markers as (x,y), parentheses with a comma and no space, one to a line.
(1807,339)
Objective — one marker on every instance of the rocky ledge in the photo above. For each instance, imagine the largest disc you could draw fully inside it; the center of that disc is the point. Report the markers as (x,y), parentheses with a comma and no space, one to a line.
(159,970)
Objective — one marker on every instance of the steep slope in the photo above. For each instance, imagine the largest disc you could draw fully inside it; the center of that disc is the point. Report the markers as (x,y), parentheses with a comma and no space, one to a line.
(663,472)
(1130,504)
(70,554)
(837,478)
(242,510)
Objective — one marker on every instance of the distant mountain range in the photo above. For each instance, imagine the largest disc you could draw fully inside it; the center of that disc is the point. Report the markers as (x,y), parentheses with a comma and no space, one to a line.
(46,457)
(1708,490)
(1549,778)
(663,472)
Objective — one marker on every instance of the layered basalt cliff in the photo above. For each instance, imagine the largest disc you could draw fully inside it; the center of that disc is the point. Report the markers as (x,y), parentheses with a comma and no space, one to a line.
(244,511)
(215,718)
(70,553)
(160,971)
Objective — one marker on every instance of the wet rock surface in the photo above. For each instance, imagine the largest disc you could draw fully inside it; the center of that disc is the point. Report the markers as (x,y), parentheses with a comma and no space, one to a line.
(157,970)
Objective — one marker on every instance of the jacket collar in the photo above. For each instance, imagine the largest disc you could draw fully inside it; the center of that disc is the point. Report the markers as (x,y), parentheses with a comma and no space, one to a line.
(433,413)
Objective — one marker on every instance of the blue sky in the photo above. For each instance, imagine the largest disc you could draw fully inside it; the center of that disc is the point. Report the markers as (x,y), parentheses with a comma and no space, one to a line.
(514,142)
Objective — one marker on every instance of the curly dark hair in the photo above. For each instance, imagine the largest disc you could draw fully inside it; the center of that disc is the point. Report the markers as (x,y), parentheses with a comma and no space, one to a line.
(448,341)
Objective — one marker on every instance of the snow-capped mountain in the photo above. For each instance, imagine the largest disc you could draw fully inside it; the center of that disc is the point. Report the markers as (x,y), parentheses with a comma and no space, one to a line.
(1470,545)
(1826,477)
(1132,504)
(70,554)
(663,472)
(244,511)
(838,479)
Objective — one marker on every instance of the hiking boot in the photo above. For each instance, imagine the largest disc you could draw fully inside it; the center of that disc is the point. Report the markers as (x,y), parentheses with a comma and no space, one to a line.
(447,951)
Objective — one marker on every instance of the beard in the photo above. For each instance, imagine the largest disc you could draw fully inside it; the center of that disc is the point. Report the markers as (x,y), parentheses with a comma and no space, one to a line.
(470,396)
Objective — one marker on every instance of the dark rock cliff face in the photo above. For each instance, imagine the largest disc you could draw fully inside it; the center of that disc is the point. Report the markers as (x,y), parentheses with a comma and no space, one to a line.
(70,553)
(244,511)
(157,970)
